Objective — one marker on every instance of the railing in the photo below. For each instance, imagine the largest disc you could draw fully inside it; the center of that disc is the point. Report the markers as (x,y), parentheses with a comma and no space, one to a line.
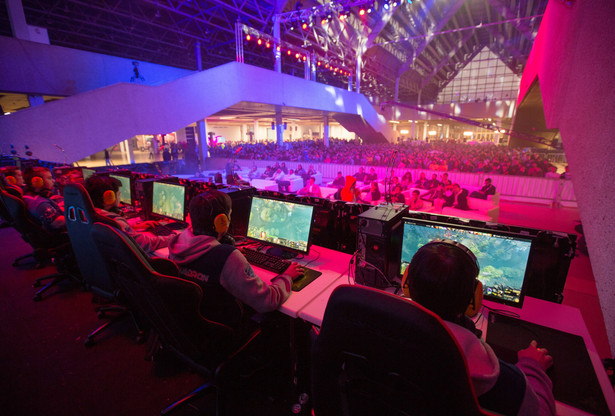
(511,188)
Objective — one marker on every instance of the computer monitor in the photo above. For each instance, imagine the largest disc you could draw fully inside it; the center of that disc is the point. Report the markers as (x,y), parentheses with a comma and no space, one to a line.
(285,225)
(169,200)
(126,196)
(503,257)
(87,173)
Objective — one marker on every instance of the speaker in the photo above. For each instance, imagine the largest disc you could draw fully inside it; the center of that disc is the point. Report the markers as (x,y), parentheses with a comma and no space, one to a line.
(241,201)
(379,235)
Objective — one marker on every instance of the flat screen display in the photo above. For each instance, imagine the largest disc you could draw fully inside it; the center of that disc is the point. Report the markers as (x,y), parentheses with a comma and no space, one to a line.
(169,200)
(503,257)
(125,190)
(284,224)
(87,173)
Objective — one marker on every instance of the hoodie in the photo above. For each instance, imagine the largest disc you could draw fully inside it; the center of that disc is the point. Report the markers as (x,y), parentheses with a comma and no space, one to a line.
(148,242)
(236,276)
(347,193)
(524,389)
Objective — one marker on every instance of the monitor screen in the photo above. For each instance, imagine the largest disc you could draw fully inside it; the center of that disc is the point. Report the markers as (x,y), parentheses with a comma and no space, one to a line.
(125,190)
(169,200)
(503,257)
(87,173)
(283,224)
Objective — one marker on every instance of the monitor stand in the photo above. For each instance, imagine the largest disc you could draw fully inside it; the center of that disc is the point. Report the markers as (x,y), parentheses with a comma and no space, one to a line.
(281,253)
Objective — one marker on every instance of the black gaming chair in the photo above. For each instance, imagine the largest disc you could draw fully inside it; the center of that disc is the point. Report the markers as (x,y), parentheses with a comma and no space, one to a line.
(171,307)
(80,216)
(47,245)
(379,354)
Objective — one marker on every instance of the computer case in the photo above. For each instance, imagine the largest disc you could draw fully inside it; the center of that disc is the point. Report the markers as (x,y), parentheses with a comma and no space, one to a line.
(241,198)
(379,235)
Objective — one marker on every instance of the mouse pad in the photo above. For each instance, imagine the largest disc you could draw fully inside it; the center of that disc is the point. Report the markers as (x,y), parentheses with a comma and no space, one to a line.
(309,275)
(574,380)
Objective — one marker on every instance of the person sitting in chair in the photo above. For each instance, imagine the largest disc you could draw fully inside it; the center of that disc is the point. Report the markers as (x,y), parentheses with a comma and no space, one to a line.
(442,278)
(43,205)
(311,189)
(104,193)
(13,179)
(205,255)
(485,191)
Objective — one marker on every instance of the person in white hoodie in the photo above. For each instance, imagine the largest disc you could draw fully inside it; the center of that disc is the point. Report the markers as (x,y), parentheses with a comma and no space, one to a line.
(441,277)
(204,256)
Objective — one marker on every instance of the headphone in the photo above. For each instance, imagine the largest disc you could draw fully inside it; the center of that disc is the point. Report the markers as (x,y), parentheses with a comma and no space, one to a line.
(10,180)
(221,221)
(109,197)
(476,301)
(37,182)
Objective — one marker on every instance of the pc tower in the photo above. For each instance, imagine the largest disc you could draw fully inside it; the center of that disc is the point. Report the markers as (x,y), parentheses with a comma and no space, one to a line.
(143,197)
(241,198)
(379,236)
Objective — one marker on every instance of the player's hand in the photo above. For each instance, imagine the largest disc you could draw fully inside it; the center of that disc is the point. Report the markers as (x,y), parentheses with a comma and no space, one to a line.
(145,225)
(295,271)
(538,354)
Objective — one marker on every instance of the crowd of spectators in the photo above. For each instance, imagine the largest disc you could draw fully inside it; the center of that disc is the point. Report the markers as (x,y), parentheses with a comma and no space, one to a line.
(436,155)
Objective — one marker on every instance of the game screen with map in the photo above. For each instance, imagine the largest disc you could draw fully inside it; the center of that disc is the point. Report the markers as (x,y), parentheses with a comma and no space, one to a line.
(168,200)
(502,257)
(125,190)
(281,223)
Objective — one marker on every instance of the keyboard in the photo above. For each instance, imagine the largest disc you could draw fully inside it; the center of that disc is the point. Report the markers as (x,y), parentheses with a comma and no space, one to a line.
(264,260)
(279,265)
(161,230)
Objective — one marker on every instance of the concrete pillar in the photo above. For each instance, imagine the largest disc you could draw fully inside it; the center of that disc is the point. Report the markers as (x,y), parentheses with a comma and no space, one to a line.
(425,131)
(130,154)
(412,130)
(17,18)
(256,130)
(279,127)
(325,131)
(202,146)
(276,42)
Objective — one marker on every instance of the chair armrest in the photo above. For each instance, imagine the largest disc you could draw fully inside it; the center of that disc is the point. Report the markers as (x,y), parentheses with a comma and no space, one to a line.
(164,266)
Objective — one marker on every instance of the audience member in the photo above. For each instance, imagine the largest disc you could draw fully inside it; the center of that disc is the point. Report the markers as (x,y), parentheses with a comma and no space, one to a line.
(485,191)
(397,196)
(41,202)
(105,195)
(349,192)
(371,176)
(415,203)
(311,189)
(422,181)
(373,194)
(406,181)
(441,277)
(339,181)
(360,175)
(232,291)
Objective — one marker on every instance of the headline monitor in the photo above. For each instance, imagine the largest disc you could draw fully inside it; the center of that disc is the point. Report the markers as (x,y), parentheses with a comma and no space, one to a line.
(284,225)
(503,257)
(169,200)
(126,189)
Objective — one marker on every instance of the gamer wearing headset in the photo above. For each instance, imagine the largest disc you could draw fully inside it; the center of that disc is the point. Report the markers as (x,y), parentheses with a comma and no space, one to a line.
(228,281)
(104,192)
(13,179)
(41,201)
(442,278)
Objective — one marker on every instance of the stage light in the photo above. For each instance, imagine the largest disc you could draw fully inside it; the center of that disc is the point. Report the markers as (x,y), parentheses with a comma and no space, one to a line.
(260,41)
(386,6)
(304,58)
(289,52)
(326,66)
(248,38)
(278,49)
(323,21)
(362,12)
(268,45)
(318,63)
(297,55)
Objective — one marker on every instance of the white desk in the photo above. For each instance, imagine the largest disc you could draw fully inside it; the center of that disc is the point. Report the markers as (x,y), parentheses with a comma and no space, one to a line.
(336,268)
(561,317)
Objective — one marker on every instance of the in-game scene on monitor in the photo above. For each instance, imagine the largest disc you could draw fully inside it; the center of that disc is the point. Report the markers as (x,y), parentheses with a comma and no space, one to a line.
(87,173)
(282,223)
(168,200)
(502,258)
(125,190)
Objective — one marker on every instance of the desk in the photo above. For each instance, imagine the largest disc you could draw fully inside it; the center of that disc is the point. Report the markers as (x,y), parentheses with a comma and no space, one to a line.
(553,315)
(333,265)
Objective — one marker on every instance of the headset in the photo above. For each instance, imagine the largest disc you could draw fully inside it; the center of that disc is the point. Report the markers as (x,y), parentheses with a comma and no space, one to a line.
(109,197)
(221,221)
(476,301)
(10,180)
